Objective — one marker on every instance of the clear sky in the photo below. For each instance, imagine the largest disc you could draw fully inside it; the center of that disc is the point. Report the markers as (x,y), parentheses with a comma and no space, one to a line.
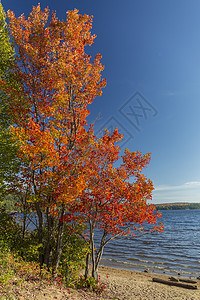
(151,53)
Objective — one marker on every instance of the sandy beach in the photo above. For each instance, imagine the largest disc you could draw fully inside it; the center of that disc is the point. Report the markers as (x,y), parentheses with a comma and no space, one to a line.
(128,285)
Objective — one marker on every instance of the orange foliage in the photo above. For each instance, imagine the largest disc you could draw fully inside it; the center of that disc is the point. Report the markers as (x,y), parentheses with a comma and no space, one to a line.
(113,200)
(62,162)
(57,81)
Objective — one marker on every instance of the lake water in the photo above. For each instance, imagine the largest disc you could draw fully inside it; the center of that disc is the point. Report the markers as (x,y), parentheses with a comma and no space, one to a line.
(176,250)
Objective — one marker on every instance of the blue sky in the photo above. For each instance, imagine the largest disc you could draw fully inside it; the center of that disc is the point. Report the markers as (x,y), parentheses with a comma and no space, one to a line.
(151,53)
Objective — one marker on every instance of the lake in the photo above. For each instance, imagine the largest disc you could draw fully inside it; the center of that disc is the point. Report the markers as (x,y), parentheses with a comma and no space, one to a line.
(176,250)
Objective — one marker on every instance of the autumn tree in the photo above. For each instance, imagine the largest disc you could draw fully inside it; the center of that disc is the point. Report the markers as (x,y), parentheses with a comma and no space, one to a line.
(115,200)
(56,82)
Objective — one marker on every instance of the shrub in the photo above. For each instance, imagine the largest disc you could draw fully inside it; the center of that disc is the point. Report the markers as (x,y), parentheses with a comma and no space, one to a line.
(74,253)
(90,284)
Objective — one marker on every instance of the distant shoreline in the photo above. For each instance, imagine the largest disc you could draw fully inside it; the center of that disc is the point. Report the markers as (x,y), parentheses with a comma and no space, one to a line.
(177,205)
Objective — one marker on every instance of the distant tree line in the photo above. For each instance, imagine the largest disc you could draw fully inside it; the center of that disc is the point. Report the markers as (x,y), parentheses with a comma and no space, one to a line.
(171,206)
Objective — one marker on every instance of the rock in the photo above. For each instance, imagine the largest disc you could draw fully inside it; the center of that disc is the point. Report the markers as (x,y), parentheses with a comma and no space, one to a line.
(146,271)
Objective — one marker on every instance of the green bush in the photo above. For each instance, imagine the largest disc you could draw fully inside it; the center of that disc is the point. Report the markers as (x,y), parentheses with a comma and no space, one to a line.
(6,271)
(9,229)
(74,253)
(25,245)
(11,234)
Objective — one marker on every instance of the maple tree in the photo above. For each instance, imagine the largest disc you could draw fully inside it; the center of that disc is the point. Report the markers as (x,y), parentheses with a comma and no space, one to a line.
(110,201)
(66,174)
(56,82)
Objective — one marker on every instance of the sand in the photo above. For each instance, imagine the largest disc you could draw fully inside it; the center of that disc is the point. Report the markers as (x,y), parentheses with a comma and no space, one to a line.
(127,285)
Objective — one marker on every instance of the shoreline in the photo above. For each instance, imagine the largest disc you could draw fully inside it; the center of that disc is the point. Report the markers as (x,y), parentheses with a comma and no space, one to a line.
(153,271)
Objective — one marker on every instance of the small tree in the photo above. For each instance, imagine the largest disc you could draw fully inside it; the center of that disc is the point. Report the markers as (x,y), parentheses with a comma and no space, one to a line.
(111,202)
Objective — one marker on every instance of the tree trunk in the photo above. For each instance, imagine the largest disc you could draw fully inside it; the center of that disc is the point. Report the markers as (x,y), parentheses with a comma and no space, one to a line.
(40,233)
(95,274)
(87,265)
(40,220)
(24,212)
(99,256)
(59,242)
(48,247)
(94,267)
(169,282)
